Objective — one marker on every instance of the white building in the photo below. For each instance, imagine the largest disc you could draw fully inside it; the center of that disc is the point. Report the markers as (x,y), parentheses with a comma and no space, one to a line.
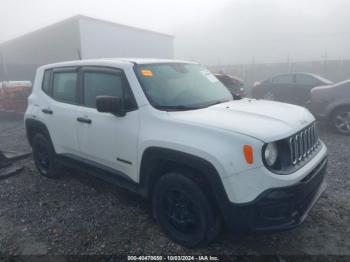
(79,37)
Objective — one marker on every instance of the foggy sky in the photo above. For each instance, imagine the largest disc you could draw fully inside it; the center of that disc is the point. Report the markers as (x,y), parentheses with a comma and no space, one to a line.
(209,31)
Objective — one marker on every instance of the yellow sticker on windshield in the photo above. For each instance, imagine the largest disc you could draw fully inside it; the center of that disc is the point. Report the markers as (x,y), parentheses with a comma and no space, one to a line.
(146,72)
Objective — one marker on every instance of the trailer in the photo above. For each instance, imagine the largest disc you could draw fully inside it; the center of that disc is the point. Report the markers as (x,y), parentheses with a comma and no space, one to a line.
(79,37)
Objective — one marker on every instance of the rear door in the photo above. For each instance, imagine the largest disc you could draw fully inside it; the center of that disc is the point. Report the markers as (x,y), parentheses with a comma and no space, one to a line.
(58,108)
(302,91)
(105,139)
(282,88)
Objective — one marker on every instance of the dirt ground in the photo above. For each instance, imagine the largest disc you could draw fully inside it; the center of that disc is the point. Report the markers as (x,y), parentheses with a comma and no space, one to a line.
(79,215)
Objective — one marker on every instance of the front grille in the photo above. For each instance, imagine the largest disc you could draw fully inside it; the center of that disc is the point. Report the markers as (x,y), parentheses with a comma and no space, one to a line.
(303,144)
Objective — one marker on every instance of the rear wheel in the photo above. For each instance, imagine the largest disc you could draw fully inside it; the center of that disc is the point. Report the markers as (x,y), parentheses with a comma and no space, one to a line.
(341,120)
(44,156)
(184,212)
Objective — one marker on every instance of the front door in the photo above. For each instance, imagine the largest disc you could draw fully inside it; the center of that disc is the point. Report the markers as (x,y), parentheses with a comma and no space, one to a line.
(106,139)
(282,87)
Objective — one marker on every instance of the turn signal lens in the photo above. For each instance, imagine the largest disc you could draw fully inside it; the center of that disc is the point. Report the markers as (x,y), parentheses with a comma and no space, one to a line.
(248,154)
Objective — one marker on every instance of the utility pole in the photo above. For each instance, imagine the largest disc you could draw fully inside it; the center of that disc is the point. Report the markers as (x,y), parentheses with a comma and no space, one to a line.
(253,69)
(325,61)
(78,53)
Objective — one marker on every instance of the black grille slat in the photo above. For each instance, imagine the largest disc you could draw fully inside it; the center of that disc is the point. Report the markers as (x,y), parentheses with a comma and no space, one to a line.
(292,150)
(296,147)
(312,137)
(309,140)
(303,143)
(301,146)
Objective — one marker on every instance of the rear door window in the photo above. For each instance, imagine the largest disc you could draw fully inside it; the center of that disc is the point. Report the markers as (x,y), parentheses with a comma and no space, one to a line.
(306,80)
(46,81)
(283,79)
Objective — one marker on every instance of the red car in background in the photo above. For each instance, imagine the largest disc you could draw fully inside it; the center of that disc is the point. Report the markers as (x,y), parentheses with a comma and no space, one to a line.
(331,103)
(14,95)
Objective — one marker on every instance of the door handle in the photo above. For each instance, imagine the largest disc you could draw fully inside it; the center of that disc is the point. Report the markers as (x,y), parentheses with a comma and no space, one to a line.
(84,120)
(47,111)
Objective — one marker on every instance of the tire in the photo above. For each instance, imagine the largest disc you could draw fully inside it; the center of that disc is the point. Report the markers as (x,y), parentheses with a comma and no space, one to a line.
(184,212)
(44,156)
(341,120)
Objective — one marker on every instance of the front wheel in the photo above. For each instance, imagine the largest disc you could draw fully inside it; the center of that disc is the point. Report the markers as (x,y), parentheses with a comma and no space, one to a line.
(341,120)
(184,212)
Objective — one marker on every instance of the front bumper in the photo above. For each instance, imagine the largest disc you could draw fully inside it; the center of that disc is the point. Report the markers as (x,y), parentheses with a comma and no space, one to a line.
(281,208)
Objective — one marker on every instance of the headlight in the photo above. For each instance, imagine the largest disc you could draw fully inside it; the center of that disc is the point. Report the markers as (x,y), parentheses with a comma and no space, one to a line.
(271,154)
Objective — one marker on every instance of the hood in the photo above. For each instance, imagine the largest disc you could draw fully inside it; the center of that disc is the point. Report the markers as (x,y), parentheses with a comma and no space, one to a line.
(265,120)
(317,88)
(321,93)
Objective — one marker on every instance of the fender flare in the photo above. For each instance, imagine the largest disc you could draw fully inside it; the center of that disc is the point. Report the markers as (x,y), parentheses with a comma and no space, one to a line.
(153,158)
(334,106)
(33,125)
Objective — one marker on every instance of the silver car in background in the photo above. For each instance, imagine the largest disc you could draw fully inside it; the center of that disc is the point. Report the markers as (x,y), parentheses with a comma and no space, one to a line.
(331,103)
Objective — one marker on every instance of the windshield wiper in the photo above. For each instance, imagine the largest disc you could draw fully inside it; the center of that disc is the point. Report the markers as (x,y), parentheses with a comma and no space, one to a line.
(189,107)
(217,102)
(177,108)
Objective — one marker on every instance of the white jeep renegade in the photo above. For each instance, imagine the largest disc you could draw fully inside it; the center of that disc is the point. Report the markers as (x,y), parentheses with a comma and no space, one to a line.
(171,132)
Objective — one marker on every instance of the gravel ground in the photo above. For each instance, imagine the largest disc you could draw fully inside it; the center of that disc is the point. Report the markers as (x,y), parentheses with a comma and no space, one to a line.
(77,214)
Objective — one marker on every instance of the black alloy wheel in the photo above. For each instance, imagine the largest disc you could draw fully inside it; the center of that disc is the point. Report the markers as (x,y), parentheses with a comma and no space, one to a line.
(184,210)
(341,120)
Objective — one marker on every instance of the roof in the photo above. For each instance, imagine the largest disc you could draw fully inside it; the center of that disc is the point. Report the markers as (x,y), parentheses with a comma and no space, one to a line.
(77,18)
(321,78)
(141,61)
(298,73)
(138,61)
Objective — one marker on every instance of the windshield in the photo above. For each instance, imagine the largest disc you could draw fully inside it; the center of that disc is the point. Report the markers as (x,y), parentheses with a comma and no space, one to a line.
(180,86)
(324,80)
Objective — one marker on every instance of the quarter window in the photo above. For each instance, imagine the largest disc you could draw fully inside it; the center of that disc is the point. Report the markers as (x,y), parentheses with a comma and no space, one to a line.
(46,81)
(65,86)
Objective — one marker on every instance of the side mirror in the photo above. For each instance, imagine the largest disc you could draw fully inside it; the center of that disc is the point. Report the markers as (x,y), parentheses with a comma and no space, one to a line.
(110,104)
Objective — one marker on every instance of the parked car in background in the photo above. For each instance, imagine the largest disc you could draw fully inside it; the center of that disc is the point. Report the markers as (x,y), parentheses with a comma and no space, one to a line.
(332,103)
(14,95)
(234,84)
(293,88)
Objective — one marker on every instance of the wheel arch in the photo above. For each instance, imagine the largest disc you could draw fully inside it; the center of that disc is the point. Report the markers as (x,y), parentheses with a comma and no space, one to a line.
(33,127)
(333,108)
(156,161)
